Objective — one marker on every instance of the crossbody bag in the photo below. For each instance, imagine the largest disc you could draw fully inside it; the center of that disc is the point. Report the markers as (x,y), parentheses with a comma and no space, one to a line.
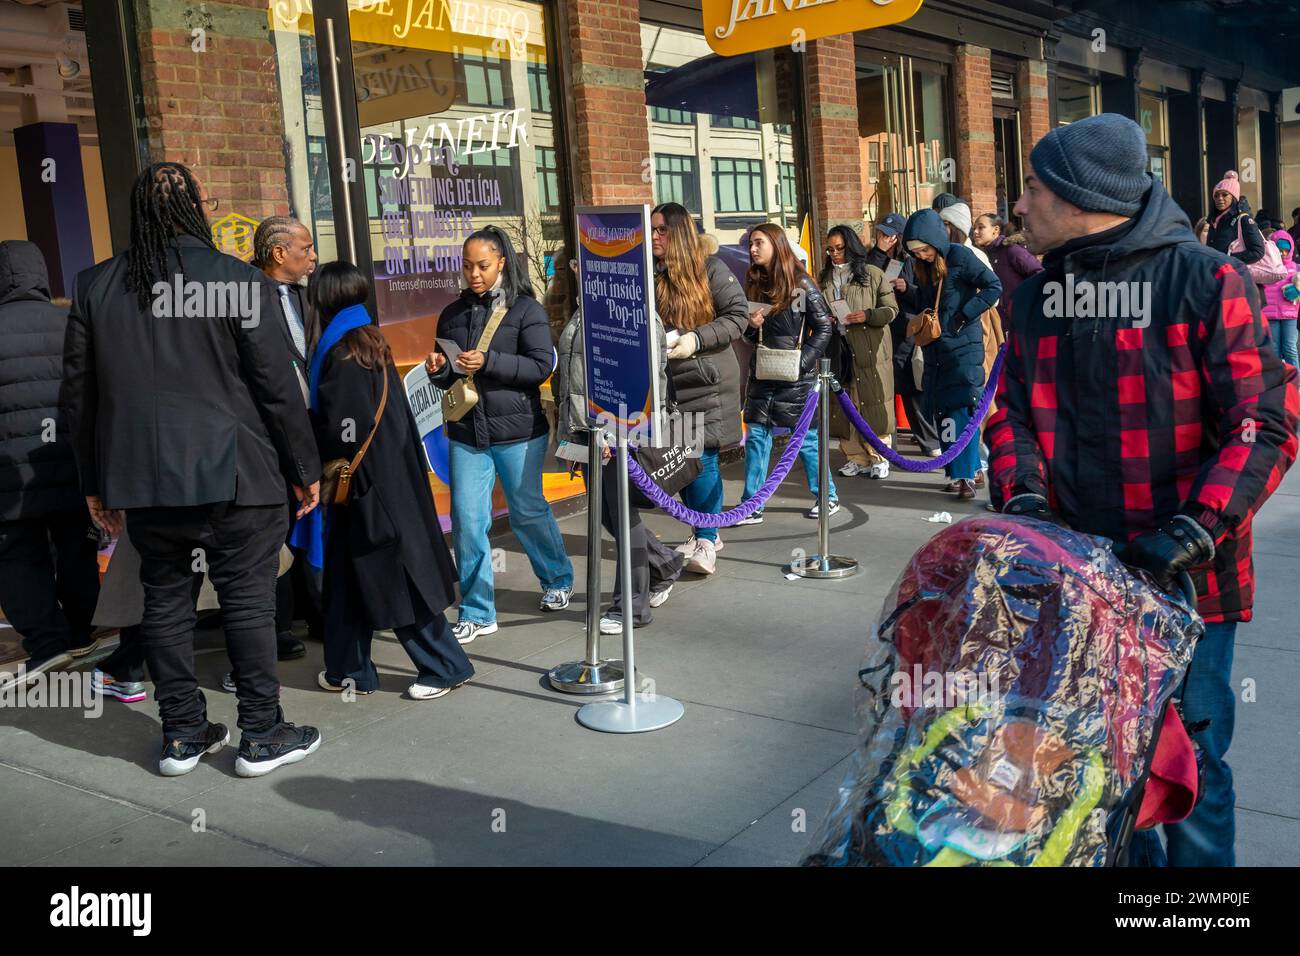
(459,400)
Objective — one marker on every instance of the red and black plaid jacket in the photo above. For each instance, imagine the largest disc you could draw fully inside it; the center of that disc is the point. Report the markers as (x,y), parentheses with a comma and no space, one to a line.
(1123,416)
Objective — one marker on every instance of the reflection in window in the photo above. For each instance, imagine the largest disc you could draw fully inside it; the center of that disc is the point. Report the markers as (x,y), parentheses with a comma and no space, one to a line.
(738,185)
(677,179)
(483,79)
(548,180)
(1075,100)
(539,87)
(732,122)
(747,146)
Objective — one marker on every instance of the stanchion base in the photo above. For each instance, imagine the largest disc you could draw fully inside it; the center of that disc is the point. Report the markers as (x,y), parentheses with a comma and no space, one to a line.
(580,677)
(832,566)
(618,717)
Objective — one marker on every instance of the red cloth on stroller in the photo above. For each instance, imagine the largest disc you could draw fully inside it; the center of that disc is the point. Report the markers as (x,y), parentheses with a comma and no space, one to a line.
(1171,791)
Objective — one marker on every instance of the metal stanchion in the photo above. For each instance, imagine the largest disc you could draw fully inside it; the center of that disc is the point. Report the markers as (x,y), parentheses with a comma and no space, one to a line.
(629,715)
(824,564)
(591,676)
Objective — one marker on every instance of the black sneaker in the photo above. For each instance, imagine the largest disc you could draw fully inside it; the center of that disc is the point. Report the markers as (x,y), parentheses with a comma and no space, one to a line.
(179,757)
(284,744)
(755,518)
(288,647)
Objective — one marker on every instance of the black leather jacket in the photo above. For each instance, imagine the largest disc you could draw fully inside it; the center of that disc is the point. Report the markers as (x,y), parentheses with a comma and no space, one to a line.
(779,404)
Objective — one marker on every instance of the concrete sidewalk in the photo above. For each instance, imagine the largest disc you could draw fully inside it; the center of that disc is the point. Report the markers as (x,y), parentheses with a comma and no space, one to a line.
(500,772)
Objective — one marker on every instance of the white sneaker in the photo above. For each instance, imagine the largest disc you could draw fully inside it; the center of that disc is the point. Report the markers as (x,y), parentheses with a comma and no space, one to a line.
(659,598)
(852,469)
(705,558)
(425,692)
(611,625)
(687,547)
(815,511)
(466,631)
(880,469)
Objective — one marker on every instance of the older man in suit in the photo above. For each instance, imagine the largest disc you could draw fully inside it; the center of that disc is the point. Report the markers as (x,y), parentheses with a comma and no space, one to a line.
(185,415)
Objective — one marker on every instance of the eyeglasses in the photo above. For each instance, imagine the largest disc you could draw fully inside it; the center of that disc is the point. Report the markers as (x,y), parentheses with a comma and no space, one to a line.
(210,204)
(830,249)
(659,230)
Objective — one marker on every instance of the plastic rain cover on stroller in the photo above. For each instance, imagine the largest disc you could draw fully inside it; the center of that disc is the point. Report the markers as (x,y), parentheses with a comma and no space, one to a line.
(1008,702)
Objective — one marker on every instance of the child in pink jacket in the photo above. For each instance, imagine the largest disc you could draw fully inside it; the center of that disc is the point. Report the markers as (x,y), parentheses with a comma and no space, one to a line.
(1282,301)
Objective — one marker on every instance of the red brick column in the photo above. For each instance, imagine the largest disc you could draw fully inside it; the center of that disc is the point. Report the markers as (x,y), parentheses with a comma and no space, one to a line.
(1035,107)
(833,148)
(217,110)
(976,179)
(612,161)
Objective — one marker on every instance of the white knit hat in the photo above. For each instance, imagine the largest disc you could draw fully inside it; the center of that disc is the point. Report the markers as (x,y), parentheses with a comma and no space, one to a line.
(959,215)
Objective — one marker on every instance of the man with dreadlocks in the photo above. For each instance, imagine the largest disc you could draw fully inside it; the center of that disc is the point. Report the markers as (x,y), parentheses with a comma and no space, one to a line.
(186,416)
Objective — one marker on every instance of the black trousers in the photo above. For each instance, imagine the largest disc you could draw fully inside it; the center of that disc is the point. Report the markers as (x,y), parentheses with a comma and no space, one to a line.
(49,580)
(655,566)
(240,548)
(126,664)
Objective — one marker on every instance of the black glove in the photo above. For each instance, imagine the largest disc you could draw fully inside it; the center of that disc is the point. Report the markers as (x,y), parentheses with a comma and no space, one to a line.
(1178,545)
(1030,505)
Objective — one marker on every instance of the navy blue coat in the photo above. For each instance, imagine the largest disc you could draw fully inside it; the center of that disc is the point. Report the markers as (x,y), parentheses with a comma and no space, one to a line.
(954,363)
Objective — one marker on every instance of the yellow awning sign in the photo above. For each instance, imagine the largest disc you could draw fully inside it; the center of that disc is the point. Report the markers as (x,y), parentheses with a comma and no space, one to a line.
(744,26)
(507,28)
(233,235)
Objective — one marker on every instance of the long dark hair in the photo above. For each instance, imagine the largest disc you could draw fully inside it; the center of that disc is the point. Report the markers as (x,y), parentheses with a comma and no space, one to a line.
(855,253)
(515,283)
(777,285)
(682,293)
(334,287)
(164,203)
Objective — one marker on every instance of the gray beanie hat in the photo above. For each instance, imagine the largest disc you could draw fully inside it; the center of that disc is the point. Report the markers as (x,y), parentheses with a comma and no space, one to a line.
(1098,164)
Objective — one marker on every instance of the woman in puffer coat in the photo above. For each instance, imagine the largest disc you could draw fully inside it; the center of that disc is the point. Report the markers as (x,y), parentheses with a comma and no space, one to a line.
(1282,300)
(1220,227)
(864,334)
(797,318)
(699,298)
(964,289)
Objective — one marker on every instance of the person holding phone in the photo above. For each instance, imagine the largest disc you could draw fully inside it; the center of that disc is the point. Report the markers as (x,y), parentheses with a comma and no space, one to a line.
(506,433)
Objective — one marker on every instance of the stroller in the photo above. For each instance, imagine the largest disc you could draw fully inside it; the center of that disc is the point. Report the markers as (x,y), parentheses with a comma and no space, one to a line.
(1014,707)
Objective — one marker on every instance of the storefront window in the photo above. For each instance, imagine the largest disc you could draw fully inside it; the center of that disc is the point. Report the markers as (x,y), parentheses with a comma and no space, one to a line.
(730,119)
(1248,153)
(457,120)
(902,133)
(1075,99)
(1154,122)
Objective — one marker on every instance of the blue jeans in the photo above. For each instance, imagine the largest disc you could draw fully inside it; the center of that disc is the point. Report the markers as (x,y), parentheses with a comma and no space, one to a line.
(1208,836)
(758,455)
(473,473)
(1286,340)
(968,462)
(704,494)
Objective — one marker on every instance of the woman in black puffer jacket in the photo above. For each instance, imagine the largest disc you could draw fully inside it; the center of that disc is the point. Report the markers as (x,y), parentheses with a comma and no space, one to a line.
(698,297)
(799,318)
(505,435)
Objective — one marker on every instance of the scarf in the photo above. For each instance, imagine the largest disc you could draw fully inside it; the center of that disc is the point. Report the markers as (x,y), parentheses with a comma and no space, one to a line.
(311,532)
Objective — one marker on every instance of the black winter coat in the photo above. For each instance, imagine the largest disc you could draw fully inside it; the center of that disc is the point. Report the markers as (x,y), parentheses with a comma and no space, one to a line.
(708,383)
(1223,233)
(519,359)
(780,404)
(387,540)
(186,410)
(954,363)
(37,476)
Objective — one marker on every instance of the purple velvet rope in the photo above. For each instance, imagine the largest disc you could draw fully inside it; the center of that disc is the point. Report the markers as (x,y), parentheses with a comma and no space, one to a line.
(964,439)
(698,519)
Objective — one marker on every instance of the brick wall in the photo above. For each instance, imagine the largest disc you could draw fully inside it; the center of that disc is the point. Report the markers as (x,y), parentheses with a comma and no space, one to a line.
(216,110)
(973,85)
(612,149)
(1035,107)
(833,148)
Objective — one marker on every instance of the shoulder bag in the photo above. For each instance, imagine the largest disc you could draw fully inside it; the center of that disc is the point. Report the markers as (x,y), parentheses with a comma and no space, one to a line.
(777,365)
(336,478)
(674,466)
(459,400)
(1267,270)
(925,328)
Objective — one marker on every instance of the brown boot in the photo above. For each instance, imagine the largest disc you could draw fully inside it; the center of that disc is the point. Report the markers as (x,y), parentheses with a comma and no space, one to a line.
(966,491)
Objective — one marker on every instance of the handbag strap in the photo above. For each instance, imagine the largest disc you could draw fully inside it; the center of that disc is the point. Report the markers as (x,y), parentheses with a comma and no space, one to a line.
(937,296)
(383,401)
(489,330)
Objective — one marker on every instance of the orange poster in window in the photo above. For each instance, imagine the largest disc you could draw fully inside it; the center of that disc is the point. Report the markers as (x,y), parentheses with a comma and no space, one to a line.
(744,26)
